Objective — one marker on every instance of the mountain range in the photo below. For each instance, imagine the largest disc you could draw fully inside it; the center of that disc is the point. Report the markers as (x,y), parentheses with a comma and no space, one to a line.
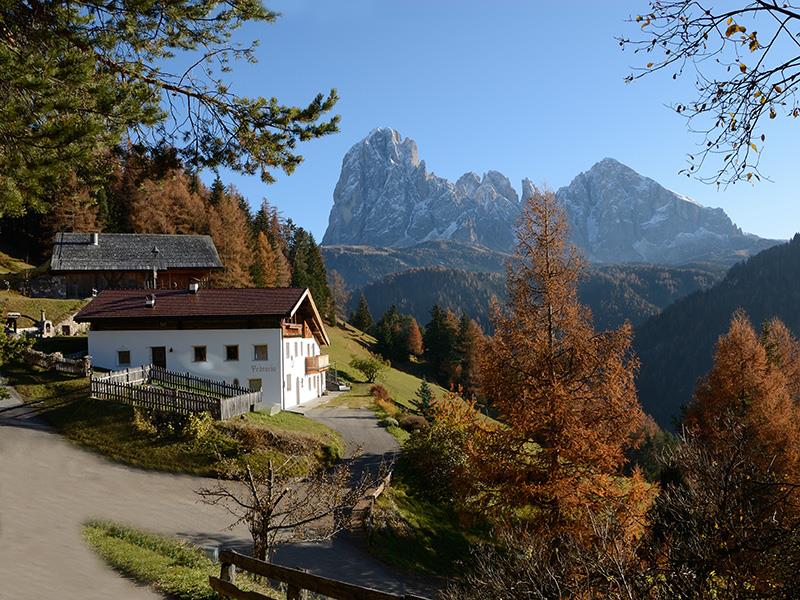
(386,197)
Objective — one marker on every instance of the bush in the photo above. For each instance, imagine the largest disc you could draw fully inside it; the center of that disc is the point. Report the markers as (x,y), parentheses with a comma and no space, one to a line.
(413,422)
(141,423)
(371,367)
(198,426)
(388,422)
(379,392)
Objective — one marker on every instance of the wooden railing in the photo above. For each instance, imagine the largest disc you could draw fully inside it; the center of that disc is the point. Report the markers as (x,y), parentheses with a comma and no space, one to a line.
(292,329)
(295,580)
(135,387)
(315,364)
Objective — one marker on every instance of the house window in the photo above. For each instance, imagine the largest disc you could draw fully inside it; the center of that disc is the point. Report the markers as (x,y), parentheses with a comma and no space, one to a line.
(199,353)
(65,330)
(231,352)
(288,383)
(297,348)
(287,349)
(124,358)
(254,385)
(260,352)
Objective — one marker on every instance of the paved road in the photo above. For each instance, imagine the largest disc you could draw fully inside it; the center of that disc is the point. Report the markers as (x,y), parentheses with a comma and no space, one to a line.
(49,487)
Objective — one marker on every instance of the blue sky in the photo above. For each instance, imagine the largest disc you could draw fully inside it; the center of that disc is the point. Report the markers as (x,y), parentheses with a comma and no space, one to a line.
(531,89)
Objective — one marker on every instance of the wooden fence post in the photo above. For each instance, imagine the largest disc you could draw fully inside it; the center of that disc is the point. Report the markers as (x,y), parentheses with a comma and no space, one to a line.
(227,572)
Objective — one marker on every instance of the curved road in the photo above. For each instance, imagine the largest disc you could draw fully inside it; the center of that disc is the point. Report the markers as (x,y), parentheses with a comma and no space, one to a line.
(49,487)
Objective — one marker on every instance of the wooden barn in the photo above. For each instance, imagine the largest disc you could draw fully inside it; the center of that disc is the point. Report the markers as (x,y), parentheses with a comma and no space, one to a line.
(87,263)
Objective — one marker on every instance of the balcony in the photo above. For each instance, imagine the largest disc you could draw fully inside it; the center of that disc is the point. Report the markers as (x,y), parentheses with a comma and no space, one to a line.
(315,364)
(296,330)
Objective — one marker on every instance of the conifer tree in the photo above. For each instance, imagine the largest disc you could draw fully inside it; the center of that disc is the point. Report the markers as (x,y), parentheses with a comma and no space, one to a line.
(440,343)
(414,343)
(264,270)
(563,392)
(73,209)
(231,234)
(340,295)
(217,192)
(280,245)
(424,400)
(167,205)
(468,347)
(308,269)
(362,319)
(750,391)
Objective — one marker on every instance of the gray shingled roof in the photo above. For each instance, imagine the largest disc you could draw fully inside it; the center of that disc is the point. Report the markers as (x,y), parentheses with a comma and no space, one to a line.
(132,252)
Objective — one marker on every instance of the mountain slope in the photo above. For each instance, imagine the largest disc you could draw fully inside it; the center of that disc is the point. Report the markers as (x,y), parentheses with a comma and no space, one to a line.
(632,292)
(676,347)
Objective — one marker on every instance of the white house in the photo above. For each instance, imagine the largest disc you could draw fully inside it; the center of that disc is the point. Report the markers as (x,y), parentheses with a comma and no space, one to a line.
(266,338)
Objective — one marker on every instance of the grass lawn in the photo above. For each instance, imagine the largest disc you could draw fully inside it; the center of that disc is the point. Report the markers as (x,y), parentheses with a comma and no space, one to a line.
(9,264)
(55,310)
(174,568)
(108,429)
(347,341)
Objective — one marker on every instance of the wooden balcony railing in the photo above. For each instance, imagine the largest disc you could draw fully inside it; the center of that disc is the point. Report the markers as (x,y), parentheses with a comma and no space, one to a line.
(292,329)
(315,364)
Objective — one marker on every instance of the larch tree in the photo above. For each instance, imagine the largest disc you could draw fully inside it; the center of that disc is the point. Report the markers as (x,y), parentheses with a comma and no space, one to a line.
(73,209)
(231,234)
(265,268)
(168,205)
(748,393)
(340,295)
(413,338)
(564,393)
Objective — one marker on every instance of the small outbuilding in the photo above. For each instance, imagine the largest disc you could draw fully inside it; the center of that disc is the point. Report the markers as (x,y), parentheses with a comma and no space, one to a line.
(267,339)
(85,263)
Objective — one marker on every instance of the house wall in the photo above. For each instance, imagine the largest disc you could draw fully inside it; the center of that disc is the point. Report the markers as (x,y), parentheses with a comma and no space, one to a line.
(104,345)
(79,284)
(302,387)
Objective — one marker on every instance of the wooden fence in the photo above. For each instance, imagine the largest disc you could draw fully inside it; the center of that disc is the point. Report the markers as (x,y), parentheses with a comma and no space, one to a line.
(150,387)
(296,581)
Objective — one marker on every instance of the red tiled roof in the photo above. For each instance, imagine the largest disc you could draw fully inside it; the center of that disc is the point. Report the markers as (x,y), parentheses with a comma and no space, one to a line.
(219,302)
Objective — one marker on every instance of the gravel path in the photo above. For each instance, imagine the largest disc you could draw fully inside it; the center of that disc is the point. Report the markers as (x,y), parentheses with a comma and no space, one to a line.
(49,487)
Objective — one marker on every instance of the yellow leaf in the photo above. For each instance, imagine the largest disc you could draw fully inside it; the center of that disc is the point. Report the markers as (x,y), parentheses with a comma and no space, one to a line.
(649,65)
(730,20)
(778,89)
(743,67)
(757,93)
(749,176)
(754,147)
(772,113)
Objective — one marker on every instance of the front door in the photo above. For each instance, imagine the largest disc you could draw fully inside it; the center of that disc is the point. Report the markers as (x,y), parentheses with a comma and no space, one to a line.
(158,356)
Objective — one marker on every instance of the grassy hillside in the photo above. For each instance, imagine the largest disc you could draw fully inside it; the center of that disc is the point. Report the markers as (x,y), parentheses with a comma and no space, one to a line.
(9,264)
(55,310)
(401,380)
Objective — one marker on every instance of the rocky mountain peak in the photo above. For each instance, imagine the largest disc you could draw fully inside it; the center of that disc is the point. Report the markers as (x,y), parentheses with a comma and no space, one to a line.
(386,197)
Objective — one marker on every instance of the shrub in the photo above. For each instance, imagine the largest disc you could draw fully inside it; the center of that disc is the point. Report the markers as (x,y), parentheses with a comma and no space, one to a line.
(379,392)
(388,407)
(436,456)
(388,422)
(198,426)
(141,423)
(370,367)
(413,422)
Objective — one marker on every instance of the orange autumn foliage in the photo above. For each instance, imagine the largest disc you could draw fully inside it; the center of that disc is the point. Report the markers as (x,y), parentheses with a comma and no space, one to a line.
(753,385)
(564,393)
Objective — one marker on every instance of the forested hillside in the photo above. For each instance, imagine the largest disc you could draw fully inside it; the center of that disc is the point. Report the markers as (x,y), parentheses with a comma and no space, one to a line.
(617,293)
(676,347)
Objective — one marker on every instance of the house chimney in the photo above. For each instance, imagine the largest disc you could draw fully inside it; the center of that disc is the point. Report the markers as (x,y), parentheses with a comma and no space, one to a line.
(95,239)
(194,286)
(150,300)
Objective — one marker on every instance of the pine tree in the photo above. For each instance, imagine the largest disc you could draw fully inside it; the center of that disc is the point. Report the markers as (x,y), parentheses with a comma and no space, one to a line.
(424,401)
(563,392)
(362,319)
(217,192)
(440,338)
(231,234)
(469,349)
(308,270)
